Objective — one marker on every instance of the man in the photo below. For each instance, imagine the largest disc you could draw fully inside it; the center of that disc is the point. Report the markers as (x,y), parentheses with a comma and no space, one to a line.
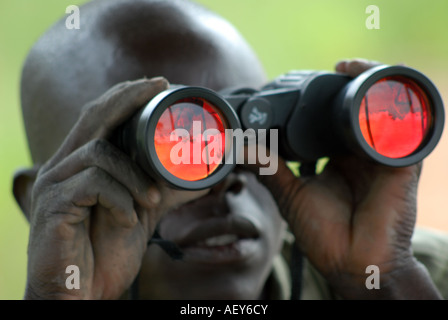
(90,206)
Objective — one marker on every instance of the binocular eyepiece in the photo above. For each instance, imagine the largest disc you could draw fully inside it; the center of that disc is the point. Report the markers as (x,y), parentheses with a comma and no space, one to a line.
(392,115)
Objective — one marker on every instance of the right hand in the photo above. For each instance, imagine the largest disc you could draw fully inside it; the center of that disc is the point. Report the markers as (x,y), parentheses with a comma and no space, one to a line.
(93,207)
(354,214)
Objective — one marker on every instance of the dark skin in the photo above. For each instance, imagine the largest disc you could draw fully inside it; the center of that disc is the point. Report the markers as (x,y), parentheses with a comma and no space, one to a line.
(89,205)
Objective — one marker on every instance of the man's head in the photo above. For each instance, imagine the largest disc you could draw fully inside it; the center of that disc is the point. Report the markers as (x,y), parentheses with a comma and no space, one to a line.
(231,235)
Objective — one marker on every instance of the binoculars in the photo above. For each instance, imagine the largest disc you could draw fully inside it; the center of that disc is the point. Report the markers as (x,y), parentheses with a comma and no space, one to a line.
(185,136)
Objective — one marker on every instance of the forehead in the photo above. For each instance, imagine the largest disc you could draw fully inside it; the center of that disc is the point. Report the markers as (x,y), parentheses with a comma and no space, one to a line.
(185,44)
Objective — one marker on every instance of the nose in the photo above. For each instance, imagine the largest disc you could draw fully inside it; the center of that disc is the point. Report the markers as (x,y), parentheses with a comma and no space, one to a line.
(233,183)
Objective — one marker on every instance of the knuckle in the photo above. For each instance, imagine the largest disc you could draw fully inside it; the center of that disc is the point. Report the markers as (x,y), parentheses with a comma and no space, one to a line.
(95,173)
(89,108)
(43,180)
(96,147)
(40,185)
(101,178)
(95,110)
(104,150)
(96,151)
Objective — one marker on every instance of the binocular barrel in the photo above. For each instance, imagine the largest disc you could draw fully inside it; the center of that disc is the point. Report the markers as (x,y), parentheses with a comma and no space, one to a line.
(392,115)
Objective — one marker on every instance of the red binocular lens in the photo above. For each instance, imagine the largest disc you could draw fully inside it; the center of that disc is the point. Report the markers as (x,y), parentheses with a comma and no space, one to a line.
(395,116)
(190,139)
(180,137)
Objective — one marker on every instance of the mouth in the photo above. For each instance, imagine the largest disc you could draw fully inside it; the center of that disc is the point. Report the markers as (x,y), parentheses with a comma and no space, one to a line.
(223,240)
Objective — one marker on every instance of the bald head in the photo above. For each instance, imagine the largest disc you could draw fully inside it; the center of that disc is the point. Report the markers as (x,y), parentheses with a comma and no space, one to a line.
(123,40)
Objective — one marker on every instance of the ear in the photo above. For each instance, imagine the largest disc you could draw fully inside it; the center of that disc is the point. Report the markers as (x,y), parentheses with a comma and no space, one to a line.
(22,188)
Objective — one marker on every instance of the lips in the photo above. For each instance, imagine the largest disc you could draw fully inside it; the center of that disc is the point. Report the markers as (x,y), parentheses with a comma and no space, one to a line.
(219,240)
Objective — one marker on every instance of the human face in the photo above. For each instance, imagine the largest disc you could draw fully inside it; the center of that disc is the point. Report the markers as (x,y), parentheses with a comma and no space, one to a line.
(229,239)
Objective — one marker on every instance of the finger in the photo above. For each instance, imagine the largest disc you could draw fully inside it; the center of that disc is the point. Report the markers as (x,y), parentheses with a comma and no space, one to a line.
(100,117)
(93,187)
(355,67)
(367,182)
(102,154)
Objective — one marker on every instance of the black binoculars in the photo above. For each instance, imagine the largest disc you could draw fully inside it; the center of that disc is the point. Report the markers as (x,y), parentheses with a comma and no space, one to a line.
(392,115)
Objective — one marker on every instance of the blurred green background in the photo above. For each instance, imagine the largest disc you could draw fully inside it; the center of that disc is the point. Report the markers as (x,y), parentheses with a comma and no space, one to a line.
(286,34)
